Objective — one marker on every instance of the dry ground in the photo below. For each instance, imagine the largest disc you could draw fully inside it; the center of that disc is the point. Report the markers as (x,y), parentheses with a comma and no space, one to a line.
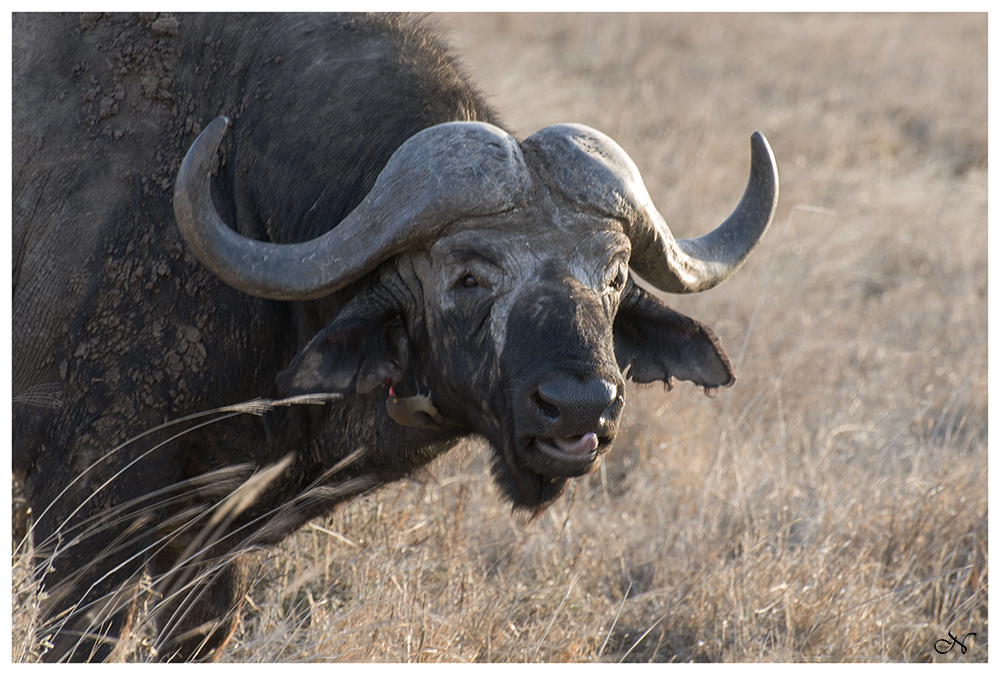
(832,505)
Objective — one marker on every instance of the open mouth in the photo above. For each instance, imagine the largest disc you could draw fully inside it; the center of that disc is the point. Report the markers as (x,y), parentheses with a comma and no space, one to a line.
(562,457)
(542,465)
(571,449)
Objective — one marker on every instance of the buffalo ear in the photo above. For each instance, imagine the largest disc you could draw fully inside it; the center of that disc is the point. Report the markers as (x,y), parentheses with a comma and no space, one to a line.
(365,345)
(655,343)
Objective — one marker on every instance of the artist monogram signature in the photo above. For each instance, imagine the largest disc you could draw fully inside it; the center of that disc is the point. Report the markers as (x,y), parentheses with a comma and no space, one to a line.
(950,644)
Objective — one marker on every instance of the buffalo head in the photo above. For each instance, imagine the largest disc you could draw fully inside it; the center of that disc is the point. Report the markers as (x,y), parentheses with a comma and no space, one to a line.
(492,292)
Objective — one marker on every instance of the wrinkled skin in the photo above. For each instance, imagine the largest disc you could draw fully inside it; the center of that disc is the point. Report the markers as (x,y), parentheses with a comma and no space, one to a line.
(521,329)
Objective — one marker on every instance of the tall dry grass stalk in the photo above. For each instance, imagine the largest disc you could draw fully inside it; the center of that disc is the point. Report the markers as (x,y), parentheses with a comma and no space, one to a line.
(832,506)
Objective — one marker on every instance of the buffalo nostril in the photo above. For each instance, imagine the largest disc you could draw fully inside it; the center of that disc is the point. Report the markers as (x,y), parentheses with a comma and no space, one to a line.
(548,409)
(576,403)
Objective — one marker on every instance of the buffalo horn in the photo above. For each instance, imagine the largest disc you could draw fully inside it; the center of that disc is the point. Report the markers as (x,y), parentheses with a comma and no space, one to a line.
(594,171)
(436,178)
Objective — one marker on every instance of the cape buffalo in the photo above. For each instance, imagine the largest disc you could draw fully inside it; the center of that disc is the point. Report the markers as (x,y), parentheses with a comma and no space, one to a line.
(360,233)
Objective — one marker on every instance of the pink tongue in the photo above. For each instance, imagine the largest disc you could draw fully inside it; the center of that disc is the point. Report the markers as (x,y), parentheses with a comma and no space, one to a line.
(578,445)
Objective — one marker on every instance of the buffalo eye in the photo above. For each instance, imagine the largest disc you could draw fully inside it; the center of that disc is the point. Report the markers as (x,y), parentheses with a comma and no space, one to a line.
(617,283)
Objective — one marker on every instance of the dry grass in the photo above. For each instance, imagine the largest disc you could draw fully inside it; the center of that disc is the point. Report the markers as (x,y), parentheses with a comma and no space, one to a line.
(832,506)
